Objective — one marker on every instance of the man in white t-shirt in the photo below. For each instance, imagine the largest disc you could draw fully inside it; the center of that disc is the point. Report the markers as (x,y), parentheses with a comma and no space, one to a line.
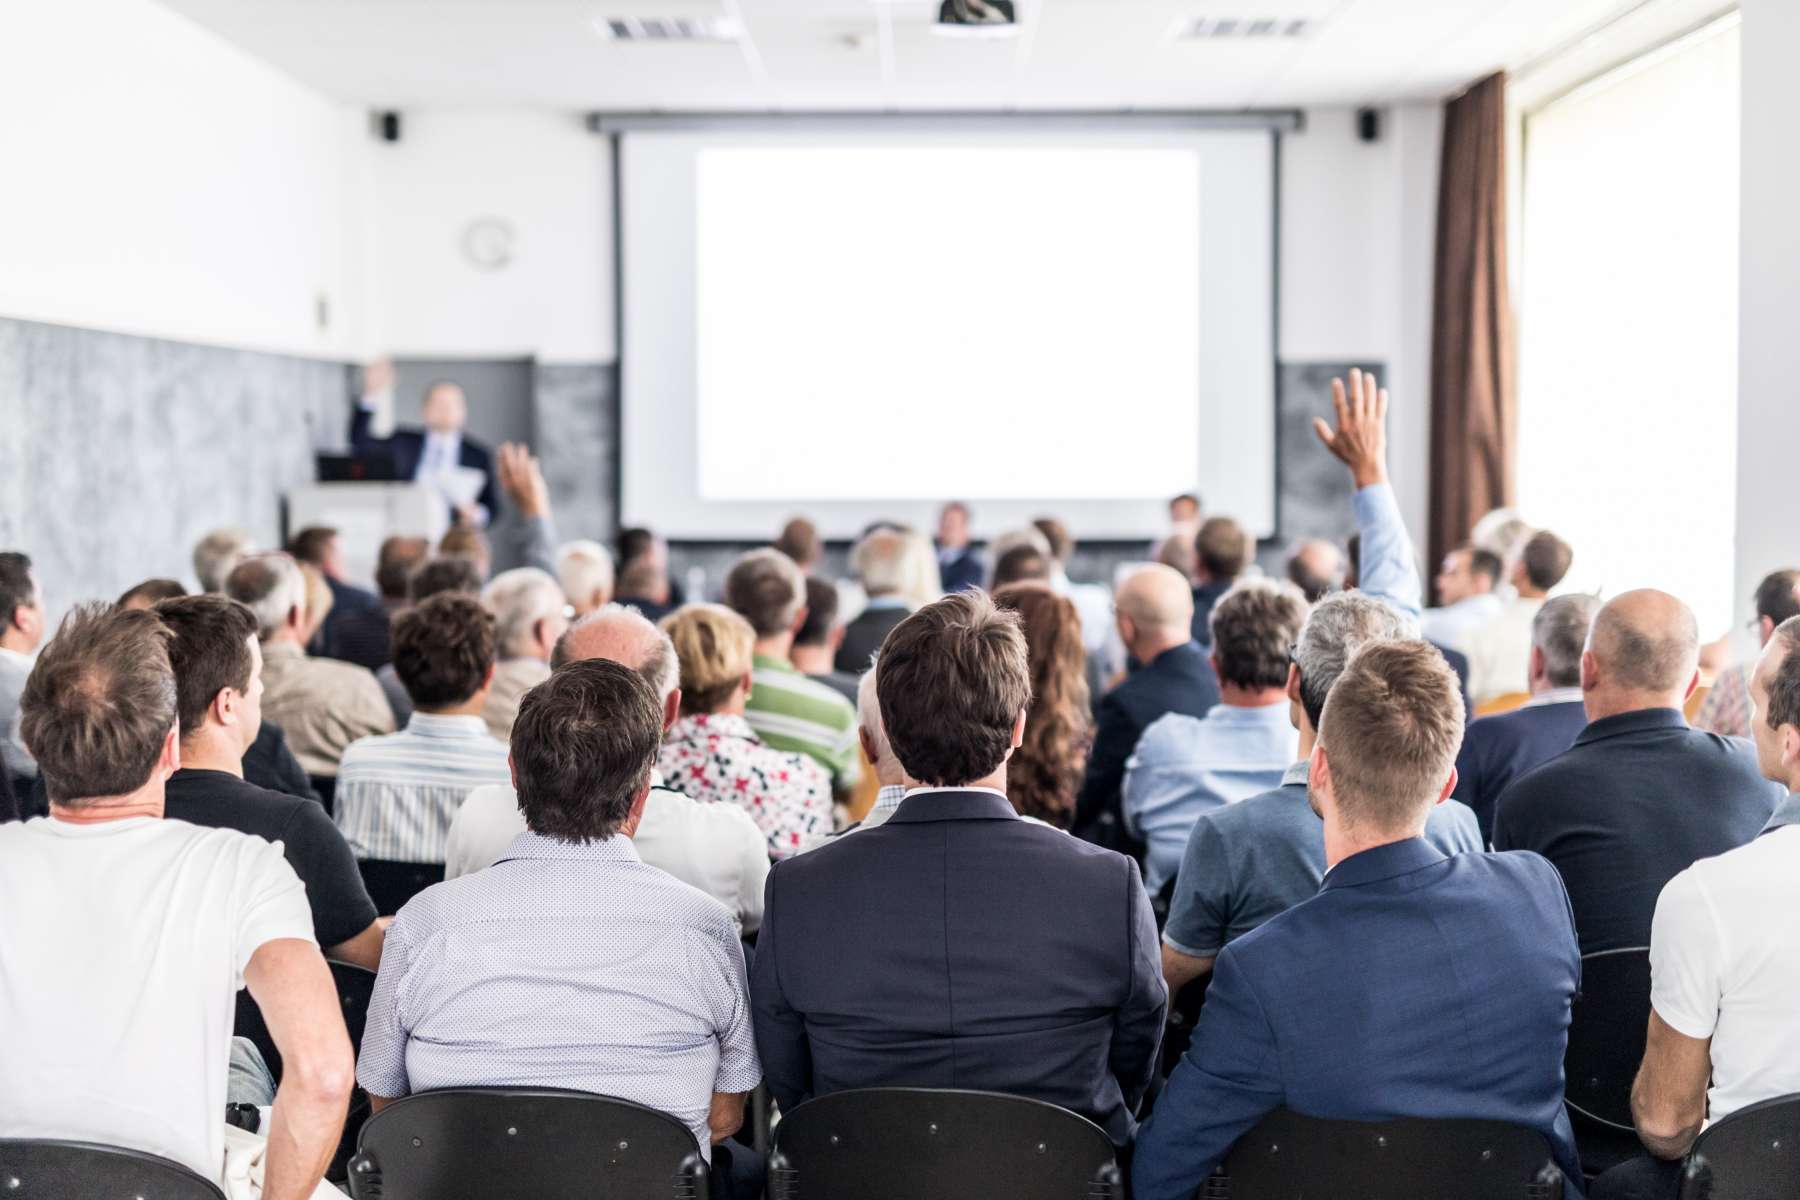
(1725,963)
(714,847)
(116,996)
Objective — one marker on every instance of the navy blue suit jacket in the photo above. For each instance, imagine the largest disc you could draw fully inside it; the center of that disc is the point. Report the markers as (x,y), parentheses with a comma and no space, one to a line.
(405,447)
(960,946)
(1412,985)
(1177,680)
(1497,750)
(961,571)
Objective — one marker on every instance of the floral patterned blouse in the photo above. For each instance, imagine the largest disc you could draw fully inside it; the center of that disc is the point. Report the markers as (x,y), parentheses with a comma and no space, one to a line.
(716,758)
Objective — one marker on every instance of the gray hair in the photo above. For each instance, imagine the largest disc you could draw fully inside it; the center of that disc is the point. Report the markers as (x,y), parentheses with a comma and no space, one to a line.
(271,585)
(659,665)
(879,562)
(1340,625)
(1012,539)
(583,568)
(519,599)
(868,713)
(1560,631)
(216,554)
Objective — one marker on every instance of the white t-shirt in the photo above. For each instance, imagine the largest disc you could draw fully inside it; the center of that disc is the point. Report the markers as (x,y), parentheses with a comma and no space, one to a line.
(122,946)
(1725,964)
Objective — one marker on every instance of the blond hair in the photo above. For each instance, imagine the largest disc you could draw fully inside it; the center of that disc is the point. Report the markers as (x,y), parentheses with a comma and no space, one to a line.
(714,645)
(1390,732)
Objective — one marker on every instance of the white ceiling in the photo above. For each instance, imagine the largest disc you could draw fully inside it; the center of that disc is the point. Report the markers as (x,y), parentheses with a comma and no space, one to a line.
(882,54)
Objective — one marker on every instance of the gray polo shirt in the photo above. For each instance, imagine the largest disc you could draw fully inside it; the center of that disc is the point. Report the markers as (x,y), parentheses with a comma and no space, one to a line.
(1253,860)
(567,966)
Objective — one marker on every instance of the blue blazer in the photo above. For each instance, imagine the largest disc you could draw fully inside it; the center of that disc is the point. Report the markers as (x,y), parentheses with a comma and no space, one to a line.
(957,945)
(962,571)
(1497,750)
(1177,680)
(1412,985)
(406,446)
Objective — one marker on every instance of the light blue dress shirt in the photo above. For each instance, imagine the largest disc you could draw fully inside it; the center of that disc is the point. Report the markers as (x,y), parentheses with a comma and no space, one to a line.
(1185,766)
(1389,569)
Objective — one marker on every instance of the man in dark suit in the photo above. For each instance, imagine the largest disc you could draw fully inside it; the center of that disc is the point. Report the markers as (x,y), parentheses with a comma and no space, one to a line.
(879,562)
(440,445)
(1497,750)
(1155,611)
(1641,797)
(318,547)
(1223,550)
(960,565)
(1411,985)
(957,944)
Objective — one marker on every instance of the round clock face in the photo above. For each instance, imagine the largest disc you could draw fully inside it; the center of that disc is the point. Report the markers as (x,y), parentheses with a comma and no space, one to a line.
(487,242)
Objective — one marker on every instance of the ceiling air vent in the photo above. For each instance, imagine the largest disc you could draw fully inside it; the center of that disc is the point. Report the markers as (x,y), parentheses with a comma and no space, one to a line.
(1242,27)
(668,29)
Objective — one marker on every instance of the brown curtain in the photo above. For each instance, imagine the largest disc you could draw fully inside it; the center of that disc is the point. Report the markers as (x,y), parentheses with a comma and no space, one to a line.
(1474,414)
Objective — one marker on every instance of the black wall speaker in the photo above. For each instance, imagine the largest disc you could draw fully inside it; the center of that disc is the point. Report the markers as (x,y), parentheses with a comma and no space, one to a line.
(390,126)
(1368,124)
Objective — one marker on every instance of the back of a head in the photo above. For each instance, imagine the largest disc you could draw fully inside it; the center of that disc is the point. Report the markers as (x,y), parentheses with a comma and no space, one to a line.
(585,570)
(879,562)
(17,588)
(954,678)
(1019,565)
(1559,632)
(799,540)
(1052,629)
(463,542)
(821,613)
(271,585)
(1486,564)
(1224,548)
(1157,599)
(147,594)
(520,600)
(1011,539)
(1783,686)
(209,650)
(1316,567)
(1778,597)
(868,713)
(99,703)
(644,578)
(1390,733)
(1545,560)
(1254,627)
(443,650)
(922,581)
(1646,648)
(1502,533)
(766,589)
(312,544)
(1177,551)
(715,646)
(443,574)
(1057,537)
(400,556)
(583,746)
(623,635)
(318,596)
(216,554)
(636,542)
(1338,626)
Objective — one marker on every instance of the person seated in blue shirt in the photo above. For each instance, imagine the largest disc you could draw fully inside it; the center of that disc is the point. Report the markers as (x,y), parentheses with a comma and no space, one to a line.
(1185,766)
(1412,985)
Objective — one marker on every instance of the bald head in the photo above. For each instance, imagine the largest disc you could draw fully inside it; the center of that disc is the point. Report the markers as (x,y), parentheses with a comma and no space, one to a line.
(1642,652)
(1156,608)
(622,635)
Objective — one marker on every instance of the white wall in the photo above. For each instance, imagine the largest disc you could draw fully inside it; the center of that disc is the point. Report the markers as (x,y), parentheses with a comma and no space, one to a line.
(1768,500)
(161,182)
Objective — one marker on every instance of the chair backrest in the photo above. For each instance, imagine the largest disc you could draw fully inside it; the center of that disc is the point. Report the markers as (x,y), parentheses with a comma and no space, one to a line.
(1503,703)
(355,985)
(392,884)
(903,1143)
(1291,1157)
(1754,1154)
(544,1143)
(35,1169)
(1606,1035)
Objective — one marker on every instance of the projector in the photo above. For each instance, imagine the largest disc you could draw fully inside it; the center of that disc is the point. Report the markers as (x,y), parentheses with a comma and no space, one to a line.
(977,18)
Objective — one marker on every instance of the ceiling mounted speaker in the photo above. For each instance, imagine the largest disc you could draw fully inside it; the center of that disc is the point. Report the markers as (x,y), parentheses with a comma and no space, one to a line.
(977,18)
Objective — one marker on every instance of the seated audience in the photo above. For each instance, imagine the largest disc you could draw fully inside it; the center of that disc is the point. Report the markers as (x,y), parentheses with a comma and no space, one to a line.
(644,585)
(1247,862)
(1020,564)
(218,687)
(366,636)
(1223,552)
(117,997)
(150,592)
(712,754)
(1724,963)
(787,710)
(959,562)
(1316,567)
(216,554)
(897,956)
(1500,648)
(1154,611)
(642,545)
(799,540)
(318,606)
(714,847)
(320,704)
(879,565)
(1185,766)
(1178,552)
(570,962)
(1496,750)
(1641,797)
(873,736)
(1503,533)
(22,610)
(1466,598)
(1411,985)
(1726,708)
(1045,772)
(924,583)
(318,546)
(531,613)
(1388,570)
(397,793)
(585,571)
(428,579)
(463,541)
(817,640)
(1092,601)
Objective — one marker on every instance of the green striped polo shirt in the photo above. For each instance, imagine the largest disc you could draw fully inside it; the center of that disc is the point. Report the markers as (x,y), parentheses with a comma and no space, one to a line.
(791,712)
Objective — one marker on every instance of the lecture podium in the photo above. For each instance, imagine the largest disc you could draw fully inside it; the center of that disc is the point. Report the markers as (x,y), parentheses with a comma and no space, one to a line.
(365,514)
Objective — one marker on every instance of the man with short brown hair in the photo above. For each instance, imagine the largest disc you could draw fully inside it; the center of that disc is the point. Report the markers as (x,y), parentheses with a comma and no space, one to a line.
(867,940)
(1223,549)
(1499,648)
(1411,985)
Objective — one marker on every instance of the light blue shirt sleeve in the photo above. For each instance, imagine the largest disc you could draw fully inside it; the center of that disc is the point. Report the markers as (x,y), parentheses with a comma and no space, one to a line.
(1387,569)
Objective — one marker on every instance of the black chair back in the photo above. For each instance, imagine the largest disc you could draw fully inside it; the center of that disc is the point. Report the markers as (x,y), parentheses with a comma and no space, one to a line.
(904,1143)
(33,1169)
(545,1143)
(1606,1035)
(1291,1157)
(392,884)
(1754,1154)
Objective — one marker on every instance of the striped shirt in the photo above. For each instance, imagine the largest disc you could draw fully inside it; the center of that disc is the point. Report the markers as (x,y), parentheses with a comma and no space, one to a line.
(397,793)
(788,711)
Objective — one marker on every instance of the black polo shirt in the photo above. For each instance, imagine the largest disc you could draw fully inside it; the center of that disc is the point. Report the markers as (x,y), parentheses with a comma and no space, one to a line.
(1638,799)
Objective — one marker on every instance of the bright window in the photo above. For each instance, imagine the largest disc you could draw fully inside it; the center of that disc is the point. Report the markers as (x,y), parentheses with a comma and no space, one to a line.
(1628,324)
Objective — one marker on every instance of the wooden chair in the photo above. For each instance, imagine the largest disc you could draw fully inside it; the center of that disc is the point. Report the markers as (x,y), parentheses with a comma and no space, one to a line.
(1502,704)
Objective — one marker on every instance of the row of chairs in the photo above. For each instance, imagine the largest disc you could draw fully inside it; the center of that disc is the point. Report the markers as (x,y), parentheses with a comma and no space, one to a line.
(902,1144)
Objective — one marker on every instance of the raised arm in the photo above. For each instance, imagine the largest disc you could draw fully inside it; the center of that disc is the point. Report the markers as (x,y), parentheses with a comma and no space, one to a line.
(292,986)
(1388,568)
(522,479)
